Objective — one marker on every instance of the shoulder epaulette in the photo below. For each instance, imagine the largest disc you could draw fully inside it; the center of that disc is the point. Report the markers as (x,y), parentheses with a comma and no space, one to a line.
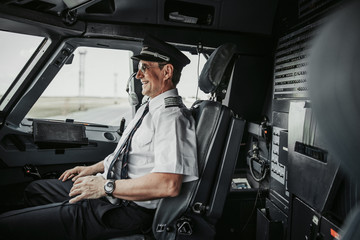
(173,102)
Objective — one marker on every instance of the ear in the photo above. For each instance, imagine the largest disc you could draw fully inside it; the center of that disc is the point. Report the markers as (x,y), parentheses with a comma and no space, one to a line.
(168,71)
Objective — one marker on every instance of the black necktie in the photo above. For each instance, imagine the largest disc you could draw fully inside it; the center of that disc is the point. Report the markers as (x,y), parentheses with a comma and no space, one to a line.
(123,151)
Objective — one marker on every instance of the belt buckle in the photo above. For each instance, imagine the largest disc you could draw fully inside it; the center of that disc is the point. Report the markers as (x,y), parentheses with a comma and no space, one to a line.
(125,203)
(113,201)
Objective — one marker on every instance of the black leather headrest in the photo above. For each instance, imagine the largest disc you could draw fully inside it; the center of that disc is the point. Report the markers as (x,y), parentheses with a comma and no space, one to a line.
(215,68)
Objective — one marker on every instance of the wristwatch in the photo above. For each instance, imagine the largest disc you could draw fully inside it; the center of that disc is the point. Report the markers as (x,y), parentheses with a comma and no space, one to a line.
(109,187)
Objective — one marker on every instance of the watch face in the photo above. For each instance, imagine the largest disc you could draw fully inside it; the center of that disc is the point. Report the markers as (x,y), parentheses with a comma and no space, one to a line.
(109,187)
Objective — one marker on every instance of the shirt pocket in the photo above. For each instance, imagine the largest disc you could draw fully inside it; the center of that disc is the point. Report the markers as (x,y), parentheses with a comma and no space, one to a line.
(142,141)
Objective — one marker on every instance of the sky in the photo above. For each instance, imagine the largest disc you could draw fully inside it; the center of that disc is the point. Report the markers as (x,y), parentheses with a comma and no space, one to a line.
(106,71)
(15,50)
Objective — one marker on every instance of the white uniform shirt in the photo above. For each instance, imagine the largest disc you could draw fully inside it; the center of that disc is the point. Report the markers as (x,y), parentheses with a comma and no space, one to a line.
(165,142)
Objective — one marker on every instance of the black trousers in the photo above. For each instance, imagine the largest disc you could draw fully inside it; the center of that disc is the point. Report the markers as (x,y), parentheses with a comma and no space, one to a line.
(53,217)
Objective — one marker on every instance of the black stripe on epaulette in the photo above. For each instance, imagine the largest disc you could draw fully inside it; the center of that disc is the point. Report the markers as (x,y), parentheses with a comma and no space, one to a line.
(173,102)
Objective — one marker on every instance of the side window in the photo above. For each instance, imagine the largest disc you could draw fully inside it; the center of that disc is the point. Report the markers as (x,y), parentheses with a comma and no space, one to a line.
(16,50)
(189,80)
(90,89)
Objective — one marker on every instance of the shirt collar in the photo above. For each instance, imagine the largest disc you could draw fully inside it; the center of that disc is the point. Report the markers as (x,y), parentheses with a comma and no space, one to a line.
(159,100)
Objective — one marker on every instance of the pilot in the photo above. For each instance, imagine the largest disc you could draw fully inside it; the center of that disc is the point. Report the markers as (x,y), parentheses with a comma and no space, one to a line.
(119,195)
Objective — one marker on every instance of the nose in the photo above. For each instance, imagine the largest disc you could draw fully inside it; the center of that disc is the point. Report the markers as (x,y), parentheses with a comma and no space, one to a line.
(139,74)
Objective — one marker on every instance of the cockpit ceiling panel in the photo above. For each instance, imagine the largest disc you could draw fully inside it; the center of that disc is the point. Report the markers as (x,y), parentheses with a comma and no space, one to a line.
(246,16)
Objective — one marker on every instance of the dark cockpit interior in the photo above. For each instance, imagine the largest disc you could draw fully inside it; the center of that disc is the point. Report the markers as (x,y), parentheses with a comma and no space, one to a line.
(277,128)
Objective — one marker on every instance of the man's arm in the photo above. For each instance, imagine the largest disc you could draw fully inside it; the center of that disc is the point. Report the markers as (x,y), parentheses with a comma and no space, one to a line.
(148,187)
(81,171)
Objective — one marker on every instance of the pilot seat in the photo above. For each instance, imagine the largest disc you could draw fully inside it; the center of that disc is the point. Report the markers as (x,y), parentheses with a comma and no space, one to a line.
(195,211)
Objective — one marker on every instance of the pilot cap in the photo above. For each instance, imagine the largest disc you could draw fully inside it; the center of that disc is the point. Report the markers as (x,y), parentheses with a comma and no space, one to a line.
(155,50)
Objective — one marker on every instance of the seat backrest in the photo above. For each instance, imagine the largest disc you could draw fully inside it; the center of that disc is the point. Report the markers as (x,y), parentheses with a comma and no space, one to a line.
(194,211)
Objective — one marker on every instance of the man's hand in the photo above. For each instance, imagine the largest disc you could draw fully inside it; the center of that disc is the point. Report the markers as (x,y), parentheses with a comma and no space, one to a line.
(90,187)
(76,172)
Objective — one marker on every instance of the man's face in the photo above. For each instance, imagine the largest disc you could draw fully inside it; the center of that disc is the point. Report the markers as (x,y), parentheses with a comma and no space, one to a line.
(151,78)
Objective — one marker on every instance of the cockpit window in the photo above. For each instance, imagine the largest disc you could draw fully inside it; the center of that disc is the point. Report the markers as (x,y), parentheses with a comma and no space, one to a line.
(189,80)
(90,89)
(16,50)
